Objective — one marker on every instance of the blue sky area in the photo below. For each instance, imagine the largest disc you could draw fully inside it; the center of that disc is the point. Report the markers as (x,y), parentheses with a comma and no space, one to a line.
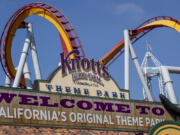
(100,25)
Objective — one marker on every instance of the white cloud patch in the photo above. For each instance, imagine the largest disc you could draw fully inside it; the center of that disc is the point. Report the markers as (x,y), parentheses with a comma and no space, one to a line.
(128,8)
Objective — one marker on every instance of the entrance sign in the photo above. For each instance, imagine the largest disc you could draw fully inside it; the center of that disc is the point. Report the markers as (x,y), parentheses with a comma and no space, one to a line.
(82,77)
(80,93)
(52,109)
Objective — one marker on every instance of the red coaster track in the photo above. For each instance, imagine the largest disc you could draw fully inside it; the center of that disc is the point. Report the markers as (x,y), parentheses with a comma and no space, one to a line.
(68,36)
(137,33)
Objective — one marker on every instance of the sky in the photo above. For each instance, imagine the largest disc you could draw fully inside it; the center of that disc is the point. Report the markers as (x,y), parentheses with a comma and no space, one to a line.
(99,25)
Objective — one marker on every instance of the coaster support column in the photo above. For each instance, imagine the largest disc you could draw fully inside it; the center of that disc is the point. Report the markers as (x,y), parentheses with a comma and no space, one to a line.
(126,59)
(139,71)
(168,84)
(34,53)
(22,60)
(27,76)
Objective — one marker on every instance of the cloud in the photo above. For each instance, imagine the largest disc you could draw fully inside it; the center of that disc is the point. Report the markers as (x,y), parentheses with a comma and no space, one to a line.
(128,8)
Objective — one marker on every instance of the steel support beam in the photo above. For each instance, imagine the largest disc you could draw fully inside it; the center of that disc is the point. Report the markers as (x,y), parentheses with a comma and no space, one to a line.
(27,76)
(22,60)
(168,85)
(140,73)
(34,53)
(126,59)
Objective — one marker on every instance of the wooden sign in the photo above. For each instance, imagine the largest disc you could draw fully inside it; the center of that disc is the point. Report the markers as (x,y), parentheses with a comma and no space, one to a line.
(35,108)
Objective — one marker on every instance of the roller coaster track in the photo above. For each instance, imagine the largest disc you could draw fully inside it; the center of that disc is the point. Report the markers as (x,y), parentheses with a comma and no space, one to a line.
(137,33)
(68,36)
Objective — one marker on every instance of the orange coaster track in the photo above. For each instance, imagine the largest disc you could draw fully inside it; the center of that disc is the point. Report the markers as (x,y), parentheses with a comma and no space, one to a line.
(140,31)
(68,36)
